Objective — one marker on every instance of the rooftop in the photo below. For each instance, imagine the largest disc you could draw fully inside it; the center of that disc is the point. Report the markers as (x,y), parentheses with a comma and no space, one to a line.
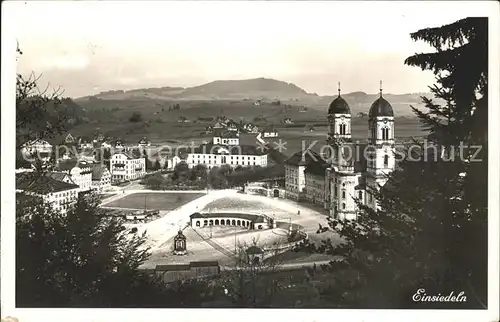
(304,158)
(317,168)
(41,184)
(67,165)
(252,218)
(220,149)
(97,171)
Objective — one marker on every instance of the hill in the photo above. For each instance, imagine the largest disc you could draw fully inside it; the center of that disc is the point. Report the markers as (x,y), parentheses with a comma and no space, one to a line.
(258,88)
(264,90)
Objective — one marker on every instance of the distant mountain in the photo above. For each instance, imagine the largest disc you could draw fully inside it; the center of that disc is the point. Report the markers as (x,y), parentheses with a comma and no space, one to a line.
(257,88)
(263,89)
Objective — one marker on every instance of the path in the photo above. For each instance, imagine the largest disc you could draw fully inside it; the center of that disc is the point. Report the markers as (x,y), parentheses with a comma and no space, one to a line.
(161,230)
(289,266)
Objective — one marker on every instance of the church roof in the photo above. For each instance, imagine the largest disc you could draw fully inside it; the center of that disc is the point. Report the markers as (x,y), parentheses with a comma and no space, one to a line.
(380,108)
(303,158)
(317,168)
(339,106)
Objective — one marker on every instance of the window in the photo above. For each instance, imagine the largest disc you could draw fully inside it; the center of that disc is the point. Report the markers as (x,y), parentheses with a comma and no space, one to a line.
(386,161)
(342,129)
(335,191)
(343,205)
(360,195)
(343,194)
(385,133)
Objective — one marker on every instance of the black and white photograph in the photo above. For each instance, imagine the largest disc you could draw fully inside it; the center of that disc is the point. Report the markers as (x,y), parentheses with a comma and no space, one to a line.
(271,160)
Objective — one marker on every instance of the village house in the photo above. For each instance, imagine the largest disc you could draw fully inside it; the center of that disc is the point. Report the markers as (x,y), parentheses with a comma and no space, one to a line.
(226,138)
(232,126)
(118,144)
(79,171)
(85,143)
(251,128)
(219,125)
(295,177)
(61,195)
(126,166)
(60,176)
(315,182)
(288,120)
(36,149)
(215,155)
(269,132)
(99,137)
(70,139)
(101,177)
(172,162)
(144,143)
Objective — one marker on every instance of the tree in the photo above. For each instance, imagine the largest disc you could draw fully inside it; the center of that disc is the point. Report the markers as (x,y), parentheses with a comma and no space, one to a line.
(430,230)
(181,172)
(461,82)
(157,165)
(78,259)
(250,282)
(216,180)
(136,117)
(154,182)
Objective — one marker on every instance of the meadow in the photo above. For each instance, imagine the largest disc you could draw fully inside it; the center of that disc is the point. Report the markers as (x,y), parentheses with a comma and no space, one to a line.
(160,125)
(160,201)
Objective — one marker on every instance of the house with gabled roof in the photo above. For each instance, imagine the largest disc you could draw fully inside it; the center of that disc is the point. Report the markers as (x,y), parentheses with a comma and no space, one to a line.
(127,165)
(232,126)
(226,137)
(295,179)
(80,172)
(269,132)
(70,139)
(101,177)
(144,142)
(251,128)
(84,142)
(61,195)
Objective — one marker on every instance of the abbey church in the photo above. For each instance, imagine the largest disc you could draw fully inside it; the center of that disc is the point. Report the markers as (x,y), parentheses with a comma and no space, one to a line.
(352,169)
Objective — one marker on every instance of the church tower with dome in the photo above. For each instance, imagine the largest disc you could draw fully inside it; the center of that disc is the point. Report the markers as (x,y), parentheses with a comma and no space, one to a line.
(356,166)
(380,156)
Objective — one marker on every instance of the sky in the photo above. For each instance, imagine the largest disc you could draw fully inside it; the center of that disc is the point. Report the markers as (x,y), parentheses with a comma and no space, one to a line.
(89,47)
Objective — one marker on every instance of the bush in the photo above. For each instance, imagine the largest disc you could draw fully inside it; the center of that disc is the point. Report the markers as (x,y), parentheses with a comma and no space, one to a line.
(136,117)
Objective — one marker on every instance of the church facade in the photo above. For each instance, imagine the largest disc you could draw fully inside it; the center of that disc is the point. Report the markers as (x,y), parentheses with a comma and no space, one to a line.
(353,170)
(356,169)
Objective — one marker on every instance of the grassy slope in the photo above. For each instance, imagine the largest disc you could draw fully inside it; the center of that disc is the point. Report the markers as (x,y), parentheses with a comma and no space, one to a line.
(163,127)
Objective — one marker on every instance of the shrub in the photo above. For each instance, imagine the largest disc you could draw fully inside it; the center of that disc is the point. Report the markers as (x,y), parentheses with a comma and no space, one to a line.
(136,117)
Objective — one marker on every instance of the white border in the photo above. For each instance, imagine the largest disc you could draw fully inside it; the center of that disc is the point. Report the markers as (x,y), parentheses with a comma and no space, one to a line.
(483,8)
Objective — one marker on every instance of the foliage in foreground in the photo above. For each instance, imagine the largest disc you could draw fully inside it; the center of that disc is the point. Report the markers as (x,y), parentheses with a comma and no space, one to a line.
(431,229)
(82,259)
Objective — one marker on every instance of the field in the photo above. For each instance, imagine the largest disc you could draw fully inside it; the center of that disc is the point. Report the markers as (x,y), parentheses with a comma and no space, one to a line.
(160,201)
(161,126)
